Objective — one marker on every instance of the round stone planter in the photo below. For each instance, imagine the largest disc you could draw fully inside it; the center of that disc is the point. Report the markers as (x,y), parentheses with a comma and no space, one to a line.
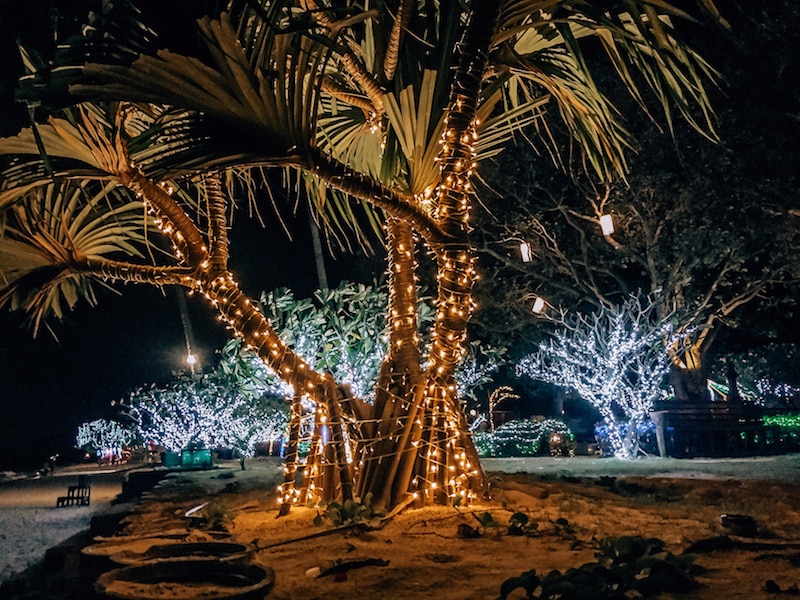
(96,559)
(187,580)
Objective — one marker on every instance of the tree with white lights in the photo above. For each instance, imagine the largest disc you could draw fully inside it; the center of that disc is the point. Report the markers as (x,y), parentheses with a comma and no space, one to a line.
(382,114)
(342,331)
(104,436)
(615,359)
(206,411)
(713,226)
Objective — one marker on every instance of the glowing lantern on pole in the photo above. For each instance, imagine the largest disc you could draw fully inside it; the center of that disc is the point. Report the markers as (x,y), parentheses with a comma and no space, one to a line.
(525,251)
(607,224)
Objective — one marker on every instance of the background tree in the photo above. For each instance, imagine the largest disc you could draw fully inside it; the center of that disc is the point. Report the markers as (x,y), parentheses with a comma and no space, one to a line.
(355,106)
(206,410)
(768,372)
(104,436)
(342,331)
(711,227)
(615,359)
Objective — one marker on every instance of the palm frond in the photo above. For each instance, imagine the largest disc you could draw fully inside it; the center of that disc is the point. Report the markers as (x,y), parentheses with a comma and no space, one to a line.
(88,141)
(267,98)
(46,237)
(540,42)
(497,129)
(342,220)
(418,131)
(677,77)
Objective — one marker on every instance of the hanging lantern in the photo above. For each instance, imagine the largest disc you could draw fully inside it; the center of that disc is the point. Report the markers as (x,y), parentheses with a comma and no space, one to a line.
(538,305)
(525,251)
(607,224)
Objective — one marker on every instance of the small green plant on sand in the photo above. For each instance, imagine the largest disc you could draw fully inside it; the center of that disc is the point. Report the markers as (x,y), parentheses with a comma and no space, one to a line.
(520,524)
(350,512)
(487,523)
(217,516)
(626,565)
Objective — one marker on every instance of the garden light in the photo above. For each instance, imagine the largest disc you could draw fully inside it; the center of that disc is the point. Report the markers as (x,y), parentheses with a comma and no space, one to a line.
(607,225)
(525,251)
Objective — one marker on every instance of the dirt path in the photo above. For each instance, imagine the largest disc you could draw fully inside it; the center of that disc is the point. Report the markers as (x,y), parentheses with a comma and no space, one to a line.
(575,505)
(427,557)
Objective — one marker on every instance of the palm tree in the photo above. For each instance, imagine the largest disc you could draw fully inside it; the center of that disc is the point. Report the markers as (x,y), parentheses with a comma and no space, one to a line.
(389,105)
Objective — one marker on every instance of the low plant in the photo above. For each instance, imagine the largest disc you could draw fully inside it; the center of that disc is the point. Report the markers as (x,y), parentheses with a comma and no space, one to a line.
(350,512)
(626,565)
(519,524)
(487,523)
(218,516)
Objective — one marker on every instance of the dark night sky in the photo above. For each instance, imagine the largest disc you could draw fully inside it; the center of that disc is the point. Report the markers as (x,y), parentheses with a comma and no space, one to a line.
(49,387)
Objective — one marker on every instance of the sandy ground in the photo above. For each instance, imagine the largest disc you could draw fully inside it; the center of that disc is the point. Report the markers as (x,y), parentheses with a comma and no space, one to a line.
(30,523)
(576,504)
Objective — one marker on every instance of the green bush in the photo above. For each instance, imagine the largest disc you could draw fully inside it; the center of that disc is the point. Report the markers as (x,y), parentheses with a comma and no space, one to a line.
(625,565)
(525,437)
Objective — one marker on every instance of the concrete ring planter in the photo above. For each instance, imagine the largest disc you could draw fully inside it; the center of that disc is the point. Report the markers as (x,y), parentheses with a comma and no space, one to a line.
(96,559)
(187,580)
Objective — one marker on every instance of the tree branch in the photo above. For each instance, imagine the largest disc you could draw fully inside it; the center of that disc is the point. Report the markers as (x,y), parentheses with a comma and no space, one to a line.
(363,187)
(217,223)
(133,273)
(188,239)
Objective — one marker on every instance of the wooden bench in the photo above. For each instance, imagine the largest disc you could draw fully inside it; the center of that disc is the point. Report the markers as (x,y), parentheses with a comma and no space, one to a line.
(79,495)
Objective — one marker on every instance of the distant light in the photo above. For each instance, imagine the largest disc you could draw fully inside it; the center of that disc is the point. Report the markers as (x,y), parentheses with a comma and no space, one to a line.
(525,251)
(191,359)
(607,224)
(538,305)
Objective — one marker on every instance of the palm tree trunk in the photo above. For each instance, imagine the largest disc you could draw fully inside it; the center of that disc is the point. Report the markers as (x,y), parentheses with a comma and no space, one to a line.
(218,286)
(334,398)
(319,257)
(456,258)
(286,495)
(400,370)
